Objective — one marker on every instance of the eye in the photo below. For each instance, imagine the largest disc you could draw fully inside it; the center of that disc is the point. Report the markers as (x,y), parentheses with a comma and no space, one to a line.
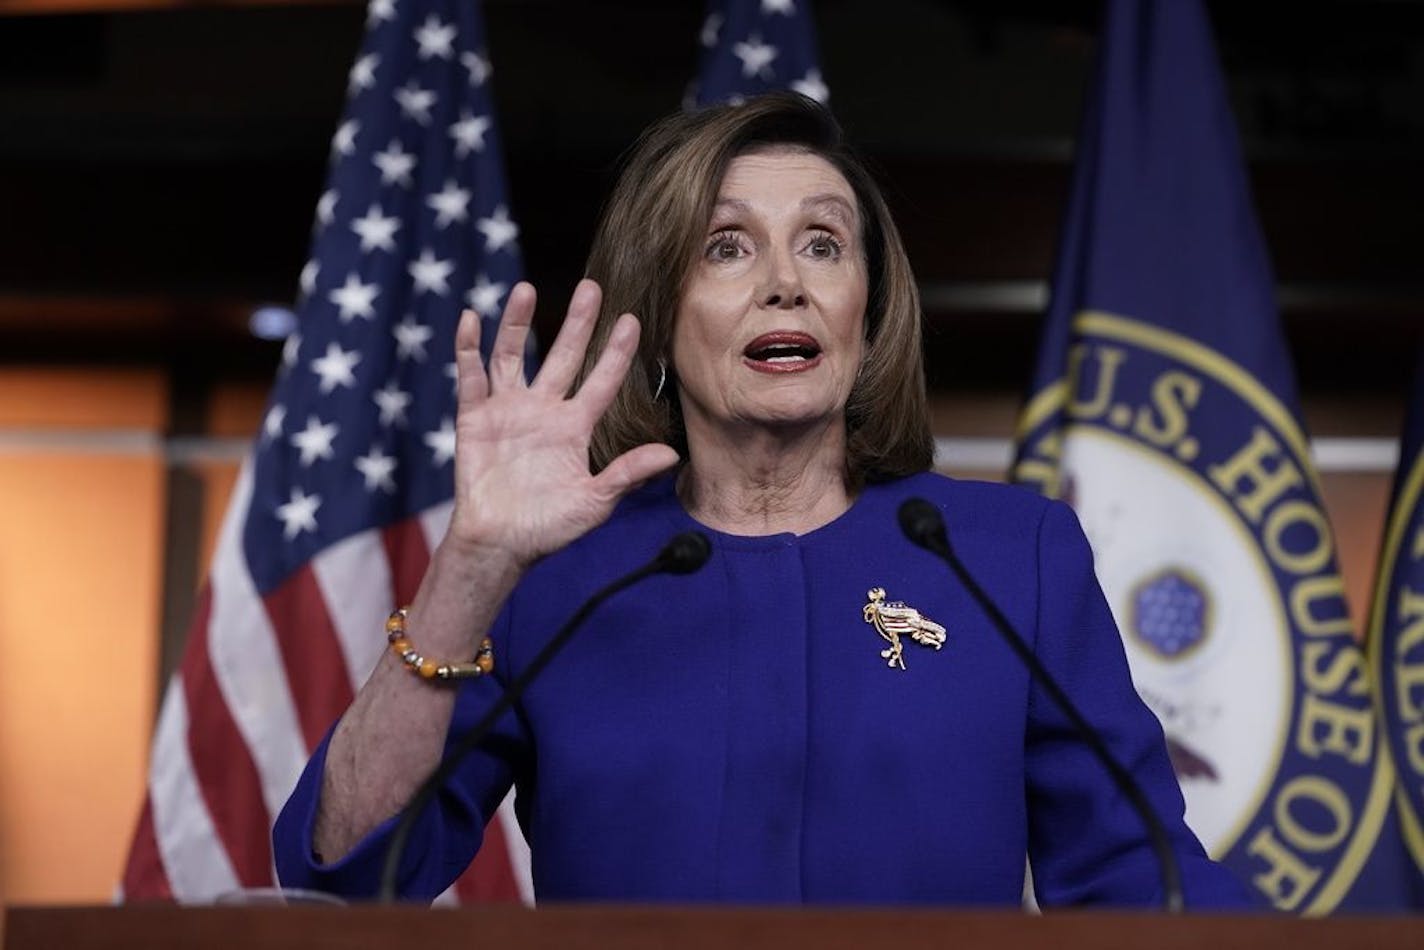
(725,246)
(824,246)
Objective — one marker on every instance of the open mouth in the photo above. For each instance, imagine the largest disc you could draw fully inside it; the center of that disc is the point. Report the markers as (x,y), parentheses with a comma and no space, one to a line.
(783,350)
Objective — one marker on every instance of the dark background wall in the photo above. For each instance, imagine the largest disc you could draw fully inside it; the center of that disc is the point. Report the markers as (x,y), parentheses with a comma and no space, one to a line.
(159,162)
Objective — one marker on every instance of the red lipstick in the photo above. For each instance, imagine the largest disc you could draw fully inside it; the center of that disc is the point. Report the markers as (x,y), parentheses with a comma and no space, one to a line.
(782,351)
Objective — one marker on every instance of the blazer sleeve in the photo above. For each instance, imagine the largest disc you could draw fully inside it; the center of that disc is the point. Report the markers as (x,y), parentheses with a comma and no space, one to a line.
(1086,843)
(447,835)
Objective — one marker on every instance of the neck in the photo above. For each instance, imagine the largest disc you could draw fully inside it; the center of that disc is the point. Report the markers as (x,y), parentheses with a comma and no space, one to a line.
(757,481)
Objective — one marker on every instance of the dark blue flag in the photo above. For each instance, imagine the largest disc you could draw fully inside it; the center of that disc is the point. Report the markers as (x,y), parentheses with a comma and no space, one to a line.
(1396,634)
(349,484)
(754,46)
(1164,410)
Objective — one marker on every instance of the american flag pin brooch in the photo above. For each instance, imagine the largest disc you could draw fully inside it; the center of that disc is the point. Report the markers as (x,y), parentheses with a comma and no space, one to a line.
(894,619)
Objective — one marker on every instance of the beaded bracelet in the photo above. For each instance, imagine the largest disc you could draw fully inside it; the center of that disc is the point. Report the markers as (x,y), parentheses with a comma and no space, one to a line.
(429,669)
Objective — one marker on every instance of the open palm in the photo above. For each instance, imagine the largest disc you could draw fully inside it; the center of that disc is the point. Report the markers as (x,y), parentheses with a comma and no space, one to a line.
(522,481)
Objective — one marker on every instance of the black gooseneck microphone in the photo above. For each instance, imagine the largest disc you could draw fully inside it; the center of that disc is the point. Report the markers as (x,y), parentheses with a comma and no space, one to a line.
(684,554)
(923,524)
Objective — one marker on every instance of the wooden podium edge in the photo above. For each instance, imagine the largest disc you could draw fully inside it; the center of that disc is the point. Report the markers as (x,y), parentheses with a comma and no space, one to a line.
(686,928)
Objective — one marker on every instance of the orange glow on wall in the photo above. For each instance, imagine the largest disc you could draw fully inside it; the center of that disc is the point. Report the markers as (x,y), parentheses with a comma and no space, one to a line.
(80,576)
(83,399)
(218,480)
(1356,503)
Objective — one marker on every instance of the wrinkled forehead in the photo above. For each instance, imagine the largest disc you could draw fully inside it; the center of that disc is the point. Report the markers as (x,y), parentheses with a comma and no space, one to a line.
(787,172)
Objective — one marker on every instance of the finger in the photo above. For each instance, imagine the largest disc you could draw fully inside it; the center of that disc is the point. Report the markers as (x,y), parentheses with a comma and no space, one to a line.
(634,467)
(608,373)
(506,363)
(471,384)
(562,362)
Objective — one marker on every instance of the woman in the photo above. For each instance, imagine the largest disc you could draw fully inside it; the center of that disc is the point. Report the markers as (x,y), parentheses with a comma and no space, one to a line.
(757,731)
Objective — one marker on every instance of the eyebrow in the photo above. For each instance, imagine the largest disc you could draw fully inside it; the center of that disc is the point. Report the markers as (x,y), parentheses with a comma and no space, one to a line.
(833,204)
(736,204)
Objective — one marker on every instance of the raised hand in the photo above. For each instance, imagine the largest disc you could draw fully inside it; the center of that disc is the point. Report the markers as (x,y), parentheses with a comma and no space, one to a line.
(522,483)
(522,489)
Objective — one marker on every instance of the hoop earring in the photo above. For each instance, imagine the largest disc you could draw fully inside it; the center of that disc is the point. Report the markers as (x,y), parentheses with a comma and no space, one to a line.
(662,379)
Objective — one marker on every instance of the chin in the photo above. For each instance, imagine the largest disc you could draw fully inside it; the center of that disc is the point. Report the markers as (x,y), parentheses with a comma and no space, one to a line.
(797,415)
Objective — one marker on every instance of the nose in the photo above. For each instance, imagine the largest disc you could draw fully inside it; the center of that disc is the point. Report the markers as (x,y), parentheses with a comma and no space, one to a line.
(782,289)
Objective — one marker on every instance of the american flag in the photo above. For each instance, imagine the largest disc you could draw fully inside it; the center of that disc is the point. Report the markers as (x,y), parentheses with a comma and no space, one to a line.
(755,46)
(348,485)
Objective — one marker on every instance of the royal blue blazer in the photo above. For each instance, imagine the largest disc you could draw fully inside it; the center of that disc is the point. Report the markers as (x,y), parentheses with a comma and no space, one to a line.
(736,735)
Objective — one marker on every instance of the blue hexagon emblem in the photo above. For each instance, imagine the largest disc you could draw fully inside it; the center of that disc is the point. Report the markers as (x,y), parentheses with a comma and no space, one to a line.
(1170,613)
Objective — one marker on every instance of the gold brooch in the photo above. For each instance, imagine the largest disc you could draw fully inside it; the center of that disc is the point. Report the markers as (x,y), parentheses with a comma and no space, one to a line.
(893,619)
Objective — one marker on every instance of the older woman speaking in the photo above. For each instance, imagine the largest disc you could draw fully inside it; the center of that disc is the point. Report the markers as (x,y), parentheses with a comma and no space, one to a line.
(759,731)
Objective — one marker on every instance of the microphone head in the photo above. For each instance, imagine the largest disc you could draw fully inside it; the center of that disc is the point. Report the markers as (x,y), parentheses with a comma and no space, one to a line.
(685,553)
(924,525)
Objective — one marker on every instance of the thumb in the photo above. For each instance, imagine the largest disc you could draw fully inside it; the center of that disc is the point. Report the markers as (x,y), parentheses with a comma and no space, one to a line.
(634,467)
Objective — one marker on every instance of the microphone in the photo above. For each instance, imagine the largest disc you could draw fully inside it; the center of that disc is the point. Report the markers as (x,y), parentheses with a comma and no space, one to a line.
(923,524)
(684,554)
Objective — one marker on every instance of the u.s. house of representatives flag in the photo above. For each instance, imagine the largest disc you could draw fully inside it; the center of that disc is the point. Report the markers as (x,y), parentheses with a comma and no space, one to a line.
(348,486)
(755,46)
(1396,632)
(1164,410)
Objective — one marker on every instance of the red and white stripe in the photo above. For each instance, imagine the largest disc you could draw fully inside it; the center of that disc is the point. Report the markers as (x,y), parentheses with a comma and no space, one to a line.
(262,678)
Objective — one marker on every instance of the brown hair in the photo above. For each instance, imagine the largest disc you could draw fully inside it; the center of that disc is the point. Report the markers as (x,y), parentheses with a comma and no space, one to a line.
(652,230)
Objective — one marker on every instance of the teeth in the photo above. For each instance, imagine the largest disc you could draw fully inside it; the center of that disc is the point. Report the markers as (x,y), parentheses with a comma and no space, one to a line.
(784,353)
